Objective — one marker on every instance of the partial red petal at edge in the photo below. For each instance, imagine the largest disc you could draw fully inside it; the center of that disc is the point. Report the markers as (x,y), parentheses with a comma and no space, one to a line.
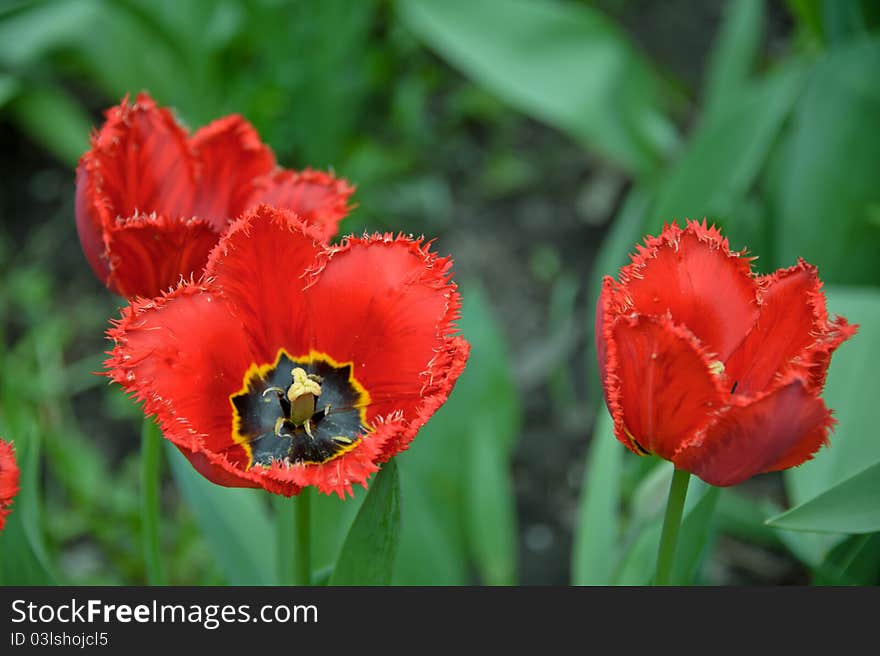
(318,198)
(779,430)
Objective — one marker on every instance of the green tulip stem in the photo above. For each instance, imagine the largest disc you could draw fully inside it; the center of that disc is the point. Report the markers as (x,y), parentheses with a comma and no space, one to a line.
(671,524)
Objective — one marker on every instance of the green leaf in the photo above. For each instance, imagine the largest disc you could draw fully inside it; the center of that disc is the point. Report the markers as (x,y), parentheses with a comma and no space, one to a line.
(367,556)
(30,34)
(849,507)
(828,181)
(9,86)
(53,119)
(596,533)
(234,522)
(850,391)
(842,21)
(734,54)
(491,514)
(332,518)
(562,63)
(433,547)
(727,152)
(743,517)
(23,556)
(447,500)
(855,561)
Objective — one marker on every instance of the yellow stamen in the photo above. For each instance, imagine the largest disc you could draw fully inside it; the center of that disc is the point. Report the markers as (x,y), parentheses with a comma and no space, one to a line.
(302,384)
(716,367)
(302,394)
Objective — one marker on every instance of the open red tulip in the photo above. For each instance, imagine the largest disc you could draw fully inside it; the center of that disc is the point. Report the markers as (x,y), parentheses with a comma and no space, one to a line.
(711,366)
(294,363)
(8,480)
(152,201)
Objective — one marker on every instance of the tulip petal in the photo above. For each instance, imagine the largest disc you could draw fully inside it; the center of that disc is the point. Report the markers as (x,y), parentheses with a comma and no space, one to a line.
(183,355)
(140,162)
(149,253)
(792,330)
(231,156)
(693,275)
(662,379)
(259,266)
(316,197)
(389,307)
(781,429)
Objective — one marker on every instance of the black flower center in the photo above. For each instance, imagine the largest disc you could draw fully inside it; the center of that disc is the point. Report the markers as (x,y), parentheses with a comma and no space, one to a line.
(309,410)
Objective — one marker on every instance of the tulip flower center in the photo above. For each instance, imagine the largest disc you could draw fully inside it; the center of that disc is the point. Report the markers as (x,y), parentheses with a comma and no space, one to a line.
(305,410)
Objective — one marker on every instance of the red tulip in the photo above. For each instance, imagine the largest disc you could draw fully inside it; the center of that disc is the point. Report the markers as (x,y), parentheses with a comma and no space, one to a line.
(8,480)
(151,201)
(292,363)
(711,366)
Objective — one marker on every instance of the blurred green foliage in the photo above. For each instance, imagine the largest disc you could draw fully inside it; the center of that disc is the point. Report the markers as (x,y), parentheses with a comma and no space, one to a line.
(778,145)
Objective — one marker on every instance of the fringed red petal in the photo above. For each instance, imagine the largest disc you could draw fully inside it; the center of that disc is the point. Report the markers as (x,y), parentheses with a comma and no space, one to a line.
(693,275)
(792,332)
(318,198)
(661,382)
(387,304)
(9,479)
(784,426)
(151,253)
(182,354)
(140,162)
(260,267)
(231,157)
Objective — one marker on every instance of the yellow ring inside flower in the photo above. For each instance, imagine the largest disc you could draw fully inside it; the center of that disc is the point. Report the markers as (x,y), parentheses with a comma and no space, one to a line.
(265,427)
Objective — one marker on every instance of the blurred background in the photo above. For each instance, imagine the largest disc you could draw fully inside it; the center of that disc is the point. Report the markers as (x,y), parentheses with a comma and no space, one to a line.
(538,140)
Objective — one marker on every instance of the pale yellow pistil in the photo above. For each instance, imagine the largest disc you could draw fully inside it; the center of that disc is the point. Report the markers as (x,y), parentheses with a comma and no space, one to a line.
(303,394)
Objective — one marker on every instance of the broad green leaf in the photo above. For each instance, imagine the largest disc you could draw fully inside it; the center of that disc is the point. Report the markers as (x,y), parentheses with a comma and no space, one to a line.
(332,518)
(842,21)
(367,556)
(852,506)
(234,522)
(734,54)
(24,559)
(850,391)
(855,561)
(744,518)
(563,63)
(808,15)
(33,32)
(433,548)
(828,181)
(9,86)
(53,119)
(453,497)
(491,514)
(727,152)
(596,534)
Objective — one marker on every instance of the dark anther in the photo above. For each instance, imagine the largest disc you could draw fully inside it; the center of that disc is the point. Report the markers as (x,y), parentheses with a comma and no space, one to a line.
(733,389)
